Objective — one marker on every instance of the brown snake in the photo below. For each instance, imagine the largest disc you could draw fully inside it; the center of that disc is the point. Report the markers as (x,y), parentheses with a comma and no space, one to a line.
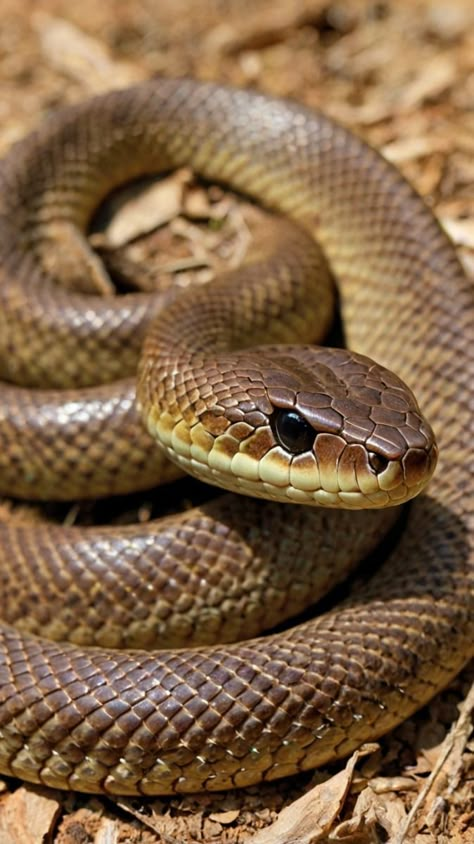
(224,716)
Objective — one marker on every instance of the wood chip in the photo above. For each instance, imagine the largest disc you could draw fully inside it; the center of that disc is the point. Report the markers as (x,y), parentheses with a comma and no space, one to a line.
(108,832)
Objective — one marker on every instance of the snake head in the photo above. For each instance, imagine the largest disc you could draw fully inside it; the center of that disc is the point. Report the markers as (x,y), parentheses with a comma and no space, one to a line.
(303,424)
(354,424)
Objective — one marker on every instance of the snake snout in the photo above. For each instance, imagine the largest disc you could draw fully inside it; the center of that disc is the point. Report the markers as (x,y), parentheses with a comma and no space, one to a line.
(419,465)
(350,434)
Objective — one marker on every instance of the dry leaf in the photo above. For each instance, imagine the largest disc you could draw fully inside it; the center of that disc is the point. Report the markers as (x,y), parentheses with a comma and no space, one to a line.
(460,231)
(197,204)
(28,815)
(406,149)
(225,817)
(83,58)
(434,77)
(308,819)
(139,210)
(370,812)
(382,785)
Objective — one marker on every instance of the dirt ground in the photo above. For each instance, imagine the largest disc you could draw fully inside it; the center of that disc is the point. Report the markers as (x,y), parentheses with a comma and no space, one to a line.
(401,73)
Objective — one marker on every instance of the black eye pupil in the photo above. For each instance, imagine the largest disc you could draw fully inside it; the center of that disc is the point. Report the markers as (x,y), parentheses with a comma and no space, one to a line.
(292,431)
(377,462)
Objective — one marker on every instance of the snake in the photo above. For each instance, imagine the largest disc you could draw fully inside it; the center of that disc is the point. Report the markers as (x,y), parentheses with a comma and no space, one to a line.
(232,386)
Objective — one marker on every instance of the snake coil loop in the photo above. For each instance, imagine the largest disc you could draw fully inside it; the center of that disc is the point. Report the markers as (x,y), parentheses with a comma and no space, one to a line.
(221,716)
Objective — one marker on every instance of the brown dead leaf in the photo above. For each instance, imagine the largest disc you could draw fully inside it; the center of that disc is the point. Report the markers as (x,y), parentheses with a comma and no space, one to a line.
(157,822)
(310,818)
(135,211)
(406,149)
(225,817)
(460,231)
(371,812)
(434,77)
(71,51)
(429,742)
(382,785)
(29,815)
(197,204)
(256,30)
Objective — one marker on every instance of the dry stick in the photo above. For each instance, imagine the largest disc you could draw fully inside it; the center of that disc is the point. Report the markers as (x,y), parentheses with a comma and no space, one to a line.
(459,732)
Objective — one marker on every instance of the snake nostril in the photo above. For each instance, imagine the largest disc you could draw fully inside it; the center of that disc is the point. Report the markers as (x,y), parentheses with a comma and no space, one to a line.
(377,462)
(292,431)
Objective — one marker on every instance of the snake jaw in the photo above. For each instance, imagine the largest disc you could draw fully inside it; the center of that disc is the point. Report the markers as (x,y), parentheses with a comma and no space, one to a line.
(333,473)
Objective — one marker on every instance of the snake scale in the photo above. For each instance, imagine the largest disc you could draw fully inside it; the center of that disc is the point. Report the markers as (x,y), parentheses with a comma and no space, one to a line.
(216,717)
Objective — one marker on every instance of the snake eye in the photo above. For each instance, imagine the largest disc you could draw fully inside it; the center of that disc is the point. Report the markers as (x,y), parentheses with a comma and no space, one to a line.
(292,431)
(377,462)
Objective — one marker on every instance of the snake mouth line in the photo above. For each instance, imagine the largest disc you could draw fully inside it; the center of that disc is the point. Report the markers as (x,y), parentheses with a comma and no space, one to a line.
(333,474)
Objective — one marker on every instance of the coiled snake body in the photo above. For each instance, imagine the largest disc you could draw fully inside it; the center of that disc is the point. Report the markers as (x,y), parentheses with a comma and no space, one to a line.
(224,716)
